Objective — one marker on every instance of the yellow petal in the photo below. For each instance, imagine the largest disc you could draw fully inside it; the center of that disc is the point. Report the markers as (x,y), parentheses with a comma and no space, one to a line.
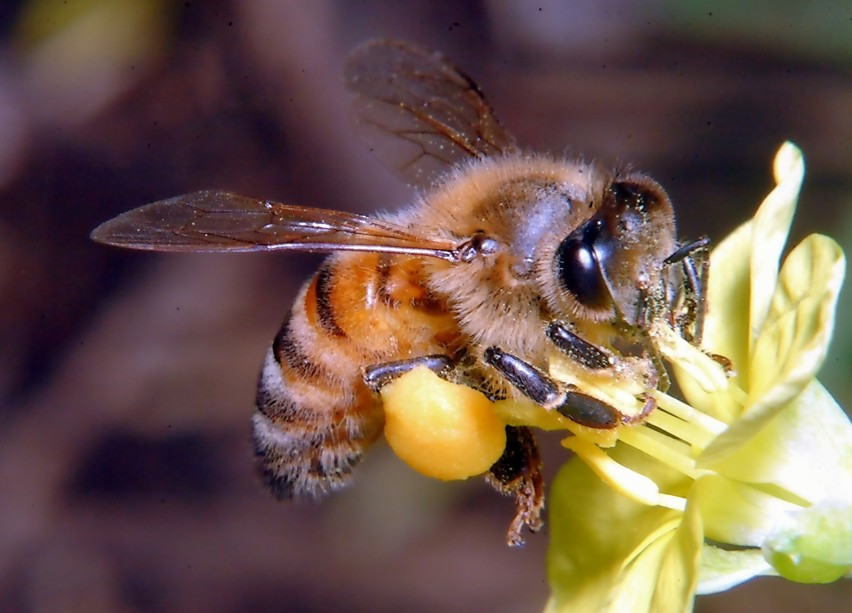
(678,578)
(737,513)
(604,546)
(792,345)
(726,329)
(771,227)
(805,451)
(722,569)
(635,590)
(743,268)
(800,322)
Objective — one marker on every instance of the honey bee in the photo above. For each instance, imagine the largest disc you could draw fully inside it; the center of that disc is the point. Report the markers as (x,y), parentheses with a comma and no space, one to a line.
(503,258)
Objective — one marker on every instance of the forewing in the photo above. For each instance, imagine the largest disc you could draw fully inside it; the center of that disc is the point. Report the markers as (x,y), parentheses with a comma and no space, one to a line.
(222,221)
(420,114)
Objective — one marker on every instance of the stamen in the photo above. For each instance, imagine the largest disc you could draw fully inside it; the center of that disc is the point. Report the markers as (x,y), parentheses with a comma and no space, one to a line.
(692,434)
(689,414)
(665,449)
(622,479)
(676,503)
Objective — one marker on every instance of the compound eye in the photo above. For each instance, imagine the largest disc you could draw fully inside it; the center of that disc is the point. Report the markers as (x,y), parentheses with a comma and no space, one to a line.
(579,272)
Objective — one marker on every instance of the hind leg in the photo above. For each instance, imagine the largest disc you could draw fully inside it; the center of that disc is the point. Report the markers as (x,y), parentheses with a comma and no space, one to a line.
(516,473)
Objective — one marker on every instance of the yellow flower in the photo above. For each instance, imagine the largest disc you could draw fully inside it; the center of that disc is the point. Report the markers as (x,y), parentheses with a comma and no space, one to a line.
(754,475)
(750,474)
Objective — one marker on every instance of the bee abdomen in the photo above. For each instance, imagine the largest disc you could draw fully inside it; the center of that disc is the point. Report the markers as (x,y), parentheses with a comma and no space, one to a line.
(308,438)
(315,415)
(311,427)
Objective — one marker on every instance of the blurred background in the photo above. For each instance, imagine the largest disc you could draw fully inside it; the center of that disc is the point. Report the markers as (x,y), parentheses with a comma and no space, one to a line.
(127,379)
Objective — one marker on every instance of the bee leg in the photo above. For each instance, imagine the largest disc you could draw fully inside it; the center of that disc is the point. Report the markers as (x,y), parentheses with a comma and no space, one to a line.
(518,473)
(695,266)
(578,349)
(544,391)
(597,358)
(379,375)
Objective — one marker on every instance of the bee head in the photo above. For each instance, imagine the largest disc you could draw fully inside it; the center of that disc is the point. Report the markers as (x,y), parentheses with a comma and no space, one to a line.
(611,266)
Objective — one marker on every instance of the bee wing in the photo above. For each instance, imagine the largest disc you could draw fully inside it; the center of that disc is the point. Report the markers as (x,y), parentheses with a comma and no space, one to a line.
(222,221)
(419,113)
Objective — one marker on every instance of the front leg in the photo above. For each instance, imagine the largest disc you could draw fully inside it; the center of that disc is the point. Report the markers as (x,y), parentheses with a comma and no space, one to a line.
(580,408)
(579,349)
(597,358)
(694,259)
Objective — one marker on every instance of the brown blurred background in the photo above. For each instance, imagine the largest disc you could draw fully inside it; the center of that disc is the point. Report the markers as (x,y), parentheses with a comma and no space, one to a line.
(127,379)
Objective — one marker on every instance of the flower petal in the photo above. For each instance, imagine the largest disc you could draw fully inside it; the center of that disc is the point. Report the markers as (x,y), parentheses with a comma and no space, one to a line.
(815,545)
(722,569)
(771,227)
(794,341)
(636,587)
(592,556)
(805,451)
(679,567)
(790,349)
(743,269)
(745,263)
(725,326)
(738,513)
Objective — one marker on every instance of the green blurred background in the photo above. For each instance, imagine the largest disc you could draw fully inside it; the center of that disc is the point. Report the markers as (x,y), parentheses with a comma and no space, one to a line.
(127,380)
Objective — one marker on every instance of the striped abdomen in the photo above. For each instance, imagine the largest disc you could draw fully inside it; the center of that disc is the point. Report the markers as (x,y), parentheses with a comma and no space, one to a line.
(315,416)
